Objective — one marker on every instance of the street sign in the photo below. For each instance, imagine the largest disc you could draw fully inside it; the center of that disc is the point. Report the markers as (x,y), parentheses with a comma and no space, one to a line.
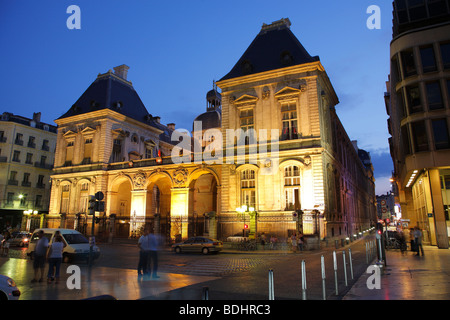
(99,195)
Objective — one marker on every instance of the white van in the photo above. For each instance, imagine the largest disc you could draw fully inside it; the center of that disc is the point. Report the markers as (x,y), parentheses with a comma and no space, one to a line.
(77,246)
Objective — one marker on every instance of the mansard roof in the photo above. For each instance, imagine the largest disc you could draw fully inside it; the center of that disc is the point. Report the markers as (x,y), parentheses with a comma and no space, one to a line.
(273,48)
(110,91)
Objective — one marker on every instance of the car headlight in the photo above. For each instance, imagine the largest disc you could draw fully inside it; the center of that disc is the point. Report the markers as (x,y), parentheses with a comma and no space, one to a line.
(11,282)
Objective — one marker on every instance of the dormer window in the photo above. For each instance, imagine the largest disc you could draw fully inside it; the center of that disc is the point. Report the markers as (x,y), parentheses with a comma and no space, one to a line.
(247,67)
(286,58)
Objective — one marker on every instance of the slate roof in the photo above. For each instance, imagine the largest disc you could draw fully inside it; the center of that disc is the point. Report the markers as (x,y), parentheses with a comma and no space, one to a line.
(273,48)
(110,91)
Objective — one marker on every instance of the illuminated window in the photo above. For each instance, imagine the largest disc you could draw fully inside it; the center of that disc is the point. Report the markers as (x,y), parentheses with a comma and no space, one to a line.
(289,121)
(246,123)
(292,187)
(248,184)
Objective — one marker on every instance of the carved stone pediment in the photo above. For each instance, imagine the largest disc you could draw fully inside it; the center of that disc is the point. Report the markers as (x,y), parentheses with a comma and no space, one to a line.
(287,93)
(245,100)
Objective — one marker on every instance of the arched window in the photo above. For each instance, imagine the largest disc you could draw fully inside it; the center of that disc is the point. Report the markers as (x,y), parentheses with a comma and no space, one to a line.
(248,183)
(292,187)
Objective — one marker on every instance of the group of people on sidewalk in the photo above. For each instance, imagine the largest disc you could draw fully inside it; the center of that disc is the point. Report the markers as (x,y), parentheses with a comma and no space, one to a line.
(149,244)
(414,238)
(53,253)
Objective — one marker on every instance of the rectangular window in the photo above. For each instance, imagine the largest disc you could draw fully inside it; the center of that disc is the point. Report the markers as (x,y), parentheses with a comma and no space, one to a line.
(401,104)
(31,142)
(29,159)
(13,176)
(289,121)
(440,133)
(445,53)
(2,136)
(23,200)
(428,59)
(10,198)
(419,134)
(117,150)
(148,153)
(26,177)
(38,201)
(434,96)
(248,188)
(16,156)
(45,145)
(413,96)
(247,125)
(19,140)
(408,62)
(405,139)
(40,182)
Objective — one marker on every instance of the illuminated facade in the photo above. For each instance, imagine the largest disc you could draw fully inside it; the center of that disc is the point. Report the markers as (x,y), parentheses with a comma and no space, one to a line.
(26,159)
(417,102)
(269,152)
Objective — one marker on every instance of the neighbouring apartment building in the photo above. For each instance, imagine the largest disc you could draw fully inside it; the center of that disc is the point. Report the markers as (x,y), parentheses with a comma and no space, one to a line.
(269,155)
(418,103)
(27,149)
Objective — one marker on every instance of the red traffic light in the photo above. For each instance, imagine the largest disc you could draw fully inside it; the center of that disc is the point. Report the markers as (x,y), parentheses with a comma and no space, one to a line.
(245,226)
(379,231)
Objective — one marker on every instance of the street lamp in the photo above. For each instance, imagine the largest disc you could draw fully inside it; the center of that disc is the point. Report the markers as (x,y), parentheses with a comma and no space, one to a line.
(252,213)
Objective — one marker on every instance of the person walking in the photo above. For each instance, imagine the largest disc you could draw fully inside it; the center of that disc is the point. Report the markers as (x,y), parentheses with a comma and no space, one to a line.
(5,243)
(144,247)
(418,240)
(155,242)
(294,242)
(40,252)
(55,256)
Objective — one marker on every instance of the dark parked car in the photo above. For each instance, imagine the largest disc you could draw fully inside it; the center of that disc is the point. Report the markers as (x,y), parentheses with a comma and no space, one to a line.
(198,244)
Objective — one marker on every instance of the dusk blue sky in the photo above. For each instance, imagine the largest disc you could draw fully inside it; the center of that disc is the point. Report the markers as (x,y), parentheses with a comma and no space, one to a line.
(175,49)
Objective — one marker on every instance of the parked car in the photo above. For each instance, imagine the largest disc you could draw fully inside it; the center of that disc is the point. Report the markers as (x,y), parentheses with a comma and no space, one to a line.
(20,239)
(8,289)
(198,244)
(77,245)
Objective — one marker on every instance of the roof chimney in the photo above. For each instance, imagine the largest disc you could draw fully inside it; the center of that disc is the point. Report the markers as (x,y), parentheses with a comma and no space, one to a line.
(276,25)
(121,71)
(37,117)
(171,126)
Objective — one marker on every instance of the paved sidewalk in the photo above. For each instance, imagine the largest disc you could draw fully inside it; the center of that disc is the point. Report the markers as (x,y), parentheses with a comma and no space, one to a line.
(409,277)
(123,284)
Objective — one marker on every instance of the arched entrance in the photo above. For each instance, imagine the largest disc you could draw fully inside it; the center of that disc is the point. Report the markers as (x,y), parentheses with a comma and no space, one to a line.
(120,206)
(202,209)
(158,203)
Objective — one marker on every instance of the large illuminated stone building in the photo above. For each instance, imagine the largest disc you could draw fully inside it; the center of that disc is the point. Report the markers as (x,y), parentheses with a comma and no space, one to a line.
(418,103)
(269,153)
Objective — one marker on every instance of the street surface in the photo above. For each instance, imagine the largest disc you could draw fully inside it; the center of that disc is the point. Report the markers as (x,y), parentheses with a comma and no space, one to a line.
(227,275)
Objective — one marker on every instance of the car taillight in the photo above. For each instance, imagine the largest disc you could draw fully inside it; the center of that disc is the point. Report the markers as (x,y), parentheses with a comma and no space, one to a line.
(217,243)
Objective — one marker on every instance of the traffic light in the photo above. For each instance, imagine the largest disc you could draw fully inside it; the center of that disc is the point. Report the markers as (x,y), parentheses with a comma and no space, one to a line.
(245,226)
(92,204)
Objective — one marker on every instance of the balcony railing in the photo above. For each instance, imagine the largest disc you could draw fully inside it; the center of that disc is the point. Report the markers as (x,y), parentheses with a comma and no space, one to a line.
(43,165)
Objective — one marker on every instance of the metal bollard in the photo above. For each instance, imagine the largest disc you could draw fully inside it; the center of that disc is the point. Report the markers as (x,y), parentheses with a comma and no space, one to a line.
(205,293)
(335,272)
(303,280)
(324,291)
(271,288)
(350,261)
(345,268)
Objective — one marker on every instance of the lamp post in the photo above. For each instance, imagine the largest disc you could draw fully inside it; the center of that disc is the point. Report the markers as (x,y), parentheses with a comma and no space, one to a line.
(252,213)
